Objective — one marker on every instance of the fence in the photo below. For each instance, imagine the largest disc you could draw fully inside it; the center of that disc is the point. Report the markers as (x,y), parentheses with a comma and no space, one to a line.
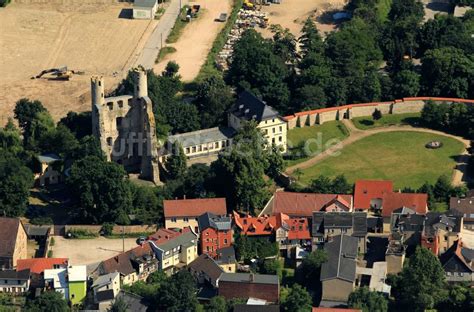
(405,105)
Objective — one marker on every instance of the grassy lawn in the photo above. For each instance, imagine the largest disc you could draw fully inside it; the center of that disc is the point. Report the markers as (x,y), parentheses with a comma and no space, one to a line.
(317,139)
(398,156)
(178,26)
(365,123)
(163,52)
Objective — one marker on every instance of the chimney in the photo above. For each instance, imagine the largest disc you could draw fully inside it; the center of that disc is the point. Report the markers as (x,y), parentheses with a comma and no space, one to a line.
(247,111)
(241,106)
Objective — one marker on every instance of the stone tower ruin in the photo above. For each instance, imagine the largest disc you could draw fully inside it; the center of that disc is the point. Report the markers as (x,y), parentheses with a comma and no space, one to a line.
(125,127)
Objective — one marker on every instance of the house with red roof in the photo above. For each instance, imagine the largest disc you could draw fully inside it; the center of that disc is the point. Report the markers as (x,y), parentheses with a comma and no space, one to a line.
(215,233)
(182,213)
(287,232)
(303,204)
(368,194)
(37,266)
(133,265)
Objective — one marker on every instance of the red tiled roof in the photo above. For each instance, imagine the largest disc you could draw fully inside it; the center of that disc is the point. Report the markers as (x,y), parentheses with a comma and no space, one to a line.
(253,226)
(303,204)
(163,235)
(122,262)
(393,201)
(299,228)
(194,207)
(366,190)
(38,265)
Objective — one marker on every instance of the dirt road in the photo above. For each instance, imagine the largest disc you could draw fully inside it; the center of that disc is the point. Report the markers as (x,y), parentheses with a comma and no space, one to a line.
(196,40)
(459,175)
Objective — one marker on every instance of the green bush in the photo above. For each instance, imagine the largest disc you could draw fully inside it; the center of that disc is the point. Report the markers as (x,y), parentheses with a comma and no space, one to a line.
(41,221)
(52,242)
(50,253)
(178,26)
(209,66)
(107,228)
(81,234)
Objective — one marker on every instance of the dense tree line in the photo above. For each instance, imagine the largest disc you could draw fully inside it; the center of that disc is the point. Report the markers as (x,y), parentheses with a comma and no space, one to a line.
(367,59)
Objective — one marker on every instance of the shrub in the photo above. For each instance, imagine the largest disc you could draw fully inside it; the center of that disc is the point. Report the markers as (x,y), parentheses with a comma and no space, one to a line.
(81,234)
(107,229)
(52,242)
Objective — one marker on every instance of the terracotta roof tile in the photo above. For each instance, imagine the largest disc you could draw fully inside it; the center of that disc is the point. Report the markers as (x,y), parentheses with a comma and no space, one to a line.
(366,190)
(38,265)
(303,204)
(298,228)
(416,202)
(265,225)
(194,207)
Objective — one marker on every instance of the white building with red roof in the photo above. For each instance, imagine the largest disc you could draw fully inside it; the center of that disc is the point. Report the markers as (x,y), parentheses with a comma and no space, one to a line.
(182,213)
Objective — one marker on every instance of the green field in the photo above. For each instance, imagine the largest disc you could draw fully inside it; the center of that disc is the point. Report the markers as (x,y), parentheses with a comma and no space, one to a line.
(398,156)
(317,139)
(365,123)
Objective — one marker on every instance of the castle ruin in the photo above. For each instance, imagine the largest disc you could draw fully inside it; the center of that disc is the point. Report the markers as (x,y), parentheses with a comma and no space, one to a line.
(125,127)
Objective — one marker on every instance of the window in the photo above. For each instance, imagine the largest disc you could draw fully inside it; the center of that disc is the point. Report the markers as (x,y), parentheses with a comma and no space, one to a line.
(186,219)
(173,219)
(200,148)
(280,139)
(273,140)
(194,149)
(217,145)
(109,141)
(225,240)
(273,130)
(273,120)
(120,103)
(281,128)
(188,150)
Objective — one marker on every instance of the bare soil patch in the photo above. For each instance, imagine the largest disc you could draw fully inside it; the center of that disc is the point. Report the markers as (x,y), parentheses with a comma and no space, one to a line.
(292,14)
(85,36)
(196,40)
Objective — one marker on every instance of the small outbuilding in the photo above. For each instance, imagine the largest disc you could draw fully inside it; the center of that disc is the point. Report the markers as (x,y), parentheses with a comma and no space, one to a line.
(145,9)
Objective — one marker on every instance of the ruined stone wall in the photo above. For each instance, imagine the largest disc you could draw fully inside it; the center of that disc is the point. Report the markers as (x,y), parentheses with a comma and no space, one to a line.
(125,127)
(406,105)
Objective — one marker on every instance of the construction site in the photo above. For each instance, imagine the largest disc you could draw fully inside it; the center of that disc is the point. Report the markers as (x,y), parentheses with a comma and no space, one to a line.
(63,44)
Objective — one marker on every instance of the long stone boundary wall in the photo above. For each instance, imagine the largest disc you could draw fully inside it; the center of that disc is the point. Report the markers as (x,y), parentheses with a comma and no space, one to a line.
(117,229)
(405,105)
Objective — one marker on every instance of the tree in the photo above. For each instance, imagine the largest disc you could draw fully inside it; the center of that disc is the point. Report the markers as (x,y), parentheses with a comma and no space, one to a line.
(297,300)
(88,146)
(422,282)
(171,69)
(442,189)
(284,44)
(17,180)
(60,141)
(80,124)
(49,301)
(34,121)
(406,83)
(310,268)
(213,98)
(341,186)
(145,203)
(368,301)
(276,163)
(119,305)
(241,170)
(447,72)
(322,185)
(100,190)
(176,163)
(178,293)
(310,40)
(217,304)
(377,114)
(272,267)
(10,139)
(256,68)
(182,117)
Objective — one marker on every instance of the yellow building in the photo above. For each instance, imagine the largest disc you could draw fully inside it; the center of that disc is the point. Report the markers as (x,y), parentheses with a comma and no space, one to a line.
(183,213)
(248,107)
(48,174)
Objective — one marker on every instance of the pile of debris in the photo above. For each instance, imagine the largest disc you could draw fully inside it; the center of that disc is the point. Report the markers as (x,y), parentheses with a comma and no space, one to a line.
(246,19)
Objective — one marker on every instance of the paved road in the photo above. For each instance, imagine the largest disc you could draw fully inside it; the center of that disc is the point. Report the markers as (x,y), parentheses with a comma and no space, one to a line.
(152,47)
(459,175)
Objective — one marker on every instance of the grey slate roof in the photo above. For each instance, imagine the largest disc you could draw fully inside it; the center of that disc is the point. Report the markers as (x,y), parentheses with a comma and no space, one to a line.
(135,303)
(208,219)
(104,279)
(436,220)
(248,278)
(144,3)
(226,255)
(341,264)
(207,266)
(15,275)
(407,223)
(339,220)
(37,230)
(186,239)
(248,107)
(204,136)
(105,295)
